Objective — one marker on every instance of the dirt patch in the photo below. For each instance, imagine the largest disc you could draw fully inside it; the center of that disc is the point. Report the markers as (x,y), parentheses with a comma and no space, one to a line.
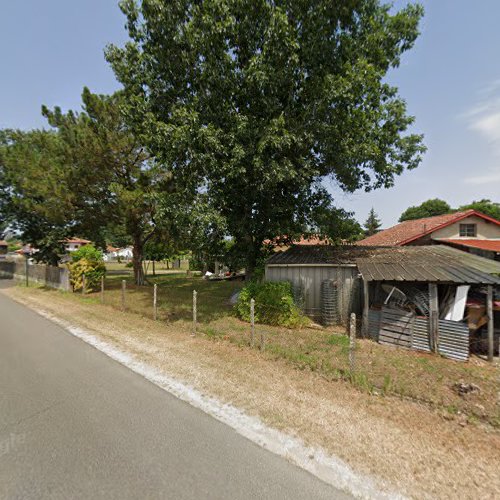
(411,448)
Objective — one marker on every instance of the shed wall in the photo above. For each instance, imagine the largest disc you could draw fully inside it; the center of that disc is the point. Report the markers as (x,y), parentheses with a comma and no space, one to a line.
(310,279)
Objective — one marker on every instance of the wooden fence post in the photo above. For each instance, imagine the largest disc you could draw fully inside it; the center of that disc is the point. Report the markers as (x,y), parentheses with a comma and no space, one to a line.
(27,272)
(262,340)
(366,308)
(195,295)
(155,301)
(252,321)
(489,309)
(102,289)
(352,342)
(83,284)
(434,317)
(124,286)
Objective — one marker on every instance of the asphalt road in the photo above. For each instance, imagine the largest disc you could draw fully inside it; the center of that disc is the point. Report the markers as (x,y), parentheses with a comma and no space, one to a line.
(76,424)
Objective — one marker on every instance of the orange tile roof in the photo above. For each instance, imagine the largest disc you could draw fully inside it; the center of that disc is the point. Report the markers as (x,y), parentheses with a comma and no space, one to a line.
(410,230)
(77,240)
(491,245)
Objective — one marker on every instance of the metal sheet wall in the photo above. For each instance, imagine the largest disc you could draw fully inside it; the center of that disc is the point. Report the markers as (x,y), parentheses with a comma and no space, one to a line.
(311,277)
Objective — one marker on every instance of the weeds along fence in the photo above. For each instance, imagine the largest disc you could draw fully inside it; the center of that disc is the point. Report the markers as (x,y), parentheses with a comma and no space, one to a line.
(41,274)
(200,312)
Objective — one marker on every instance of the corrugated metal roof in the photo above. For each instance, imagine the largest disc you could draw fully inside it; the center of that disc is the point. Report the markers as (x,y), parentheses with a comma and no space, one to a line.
(430,264)
(436,263)
(319,254)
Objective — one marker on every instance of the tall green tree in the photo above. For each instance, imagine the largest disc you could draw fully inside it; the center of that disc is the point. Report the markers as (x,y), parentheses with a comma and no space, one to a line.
(485,206)
(372,223)
(36,197)
(429,208)
(118,180)
(259,100)
(88,176)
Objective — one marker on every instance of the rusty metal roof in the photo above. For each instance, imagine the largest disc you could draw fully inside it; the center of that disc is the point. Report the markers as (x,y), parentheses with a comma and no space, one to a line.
(319,254)
(436,263)
(433,264)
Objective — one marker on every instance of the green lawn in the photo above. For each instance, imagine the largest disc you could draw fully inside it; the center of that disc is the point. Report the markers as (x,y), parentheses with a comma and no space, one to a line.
(175,296)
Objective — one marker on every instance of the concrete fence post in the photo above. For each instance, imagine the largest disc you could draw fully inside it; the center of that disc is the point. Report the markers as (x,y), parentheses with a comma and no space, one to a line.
(352,342)
(27,272)
(155,296)
(102,289)
(252,321)
(124,286)
(83,284)
(195,311)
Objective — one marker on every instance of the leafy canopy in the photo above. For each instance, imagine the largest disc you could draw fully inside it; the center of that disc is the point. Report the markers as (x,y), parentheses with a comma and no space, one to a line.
(257,101)
(486,207)
(429,208)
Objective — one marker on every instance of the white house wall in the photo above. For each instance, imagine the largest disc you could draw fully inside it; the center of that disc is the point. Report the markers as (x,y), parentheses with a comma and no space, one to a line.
(485,230)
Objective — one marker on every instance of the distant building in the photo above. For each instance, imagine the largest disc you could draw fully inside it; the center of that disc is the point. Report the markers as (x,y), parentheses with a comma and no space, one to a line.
(470,231)
(73,244)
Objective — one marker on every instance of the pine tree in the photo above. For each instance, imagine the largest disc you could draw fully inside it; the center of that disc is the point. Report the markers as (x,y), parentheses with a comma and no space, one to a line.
(372,223)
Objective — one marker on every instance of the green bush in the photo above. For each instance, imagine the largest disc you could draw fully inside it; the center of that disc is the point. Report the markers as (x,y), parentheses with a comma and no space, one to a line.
(274,304)
(87,261)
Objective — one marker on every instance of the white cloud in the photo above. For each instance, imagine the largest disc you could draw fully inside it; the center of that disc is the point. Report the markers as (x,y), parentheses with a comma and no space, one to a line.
(484,118)
(490,178)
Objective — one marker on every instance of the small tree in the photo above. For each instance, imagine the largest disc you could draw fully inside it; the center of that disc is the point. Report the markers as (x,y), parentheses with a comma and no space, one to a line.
(372,223)
(87,261)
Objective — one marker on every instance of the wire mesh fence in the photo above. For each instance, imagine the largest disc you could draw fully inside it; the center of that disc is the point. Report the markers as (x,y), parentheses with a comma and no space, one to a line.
(206,310)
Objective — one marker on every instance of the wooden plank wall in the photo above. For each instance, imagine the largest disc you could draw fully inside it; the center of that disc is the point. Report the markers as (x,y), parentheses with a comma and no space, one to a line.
(396,327)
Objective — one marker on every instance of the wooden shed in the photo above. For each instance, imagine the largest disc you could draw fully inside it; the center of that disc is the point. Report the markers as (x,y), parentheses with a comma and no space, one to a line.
(426,298)
(317,271)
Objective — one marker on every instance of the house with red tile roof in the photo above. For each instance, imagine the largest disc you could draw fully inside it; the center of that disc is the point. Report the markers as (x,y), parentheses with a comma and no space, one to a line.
(73,244)
(469,230)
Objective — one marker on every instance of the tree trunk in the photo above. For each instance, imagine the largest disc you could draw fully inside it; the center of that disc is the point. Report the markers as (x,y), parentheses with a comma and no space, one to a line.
(137,256)
(251,260)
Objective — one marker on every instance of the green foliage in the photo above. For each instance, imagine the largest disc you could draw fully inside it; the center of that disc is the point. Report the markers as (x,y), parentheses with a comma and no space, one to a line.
(486,207)
(256,102)
(429,208)
(89,252)
(372,223)
(88,261)
(274,304)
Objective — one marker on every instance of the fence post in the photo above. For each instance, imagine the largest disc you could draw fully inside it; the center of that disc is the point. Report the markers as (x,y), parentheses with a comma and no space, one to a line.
(102,289)
(155,302)
(261,339)
(83,284)
(124,286)
(195,295)
(26,267)
(252,321)
(352,342)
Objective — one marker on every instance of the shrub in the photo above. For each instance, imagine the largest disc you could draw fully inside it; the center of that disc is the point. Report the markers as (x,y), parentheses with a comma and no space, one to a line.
(87,261)
(274,304)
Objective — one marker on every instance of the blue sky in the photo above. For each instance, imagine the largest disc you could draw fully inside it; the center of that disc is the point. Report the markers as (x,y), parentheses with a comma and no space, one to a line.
(450,80)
